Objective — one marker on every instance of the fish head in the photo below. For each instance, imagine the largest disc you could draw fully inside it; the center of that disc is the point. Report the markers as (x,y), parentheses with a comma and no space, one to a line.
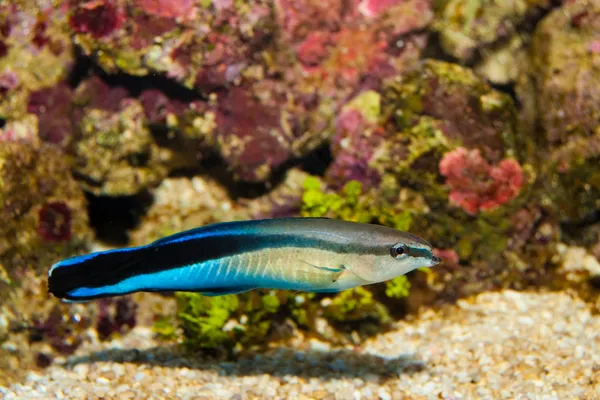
(395,253)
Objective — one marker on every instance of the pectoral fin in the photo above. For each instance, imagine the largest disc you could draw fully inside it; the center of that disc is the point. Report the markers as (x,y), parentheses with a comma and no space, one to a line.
(335,272)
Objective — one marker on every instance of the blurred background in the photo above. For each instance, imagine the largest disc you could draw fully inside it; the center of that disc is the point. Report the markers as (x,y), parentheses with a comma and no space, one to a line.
(474,124)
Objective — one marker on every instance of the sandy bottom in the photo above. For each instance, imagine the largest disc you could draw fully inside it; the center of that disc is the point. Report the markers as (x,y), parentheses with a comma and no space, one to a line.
(505,345)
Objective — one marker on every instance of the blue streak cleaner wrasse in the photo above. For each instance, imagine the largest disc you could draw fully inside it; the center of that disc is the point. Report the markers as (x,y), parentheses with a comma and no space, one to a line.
(305,254)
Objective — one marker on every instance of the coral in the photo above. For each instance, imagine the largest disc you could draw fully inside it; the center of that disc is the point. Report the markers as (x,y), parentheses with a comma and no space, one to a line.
(22,130)
(571,178)
(52,106)
(121,319)
(357,136)
(59,329)
(97,17)
(561,103)
(35,52)
(469,111)
(563,75)
(185,9)
(115,153)
(442,133)
(159,108)
(475,184)
(371,8)
(437,116)
(274,86)
(503,64)
(251,136)
(448,256)
(255,87)
(160,36)
(55,222)
(466,26)
(43,216)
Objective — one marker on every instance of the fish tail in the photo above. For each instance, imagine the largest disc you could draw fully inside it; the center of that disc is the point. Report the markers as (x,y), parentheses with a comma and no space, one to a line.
(96,275)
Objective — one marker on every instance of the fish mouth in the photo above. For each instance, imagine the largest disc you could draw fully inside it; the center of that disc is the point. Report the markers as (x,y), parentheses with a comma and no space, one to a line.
(436,260)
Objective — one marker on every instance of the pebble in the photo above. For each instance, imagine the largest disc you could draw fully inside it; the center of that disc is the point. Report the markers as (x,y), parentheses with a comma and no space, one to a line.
(505,345)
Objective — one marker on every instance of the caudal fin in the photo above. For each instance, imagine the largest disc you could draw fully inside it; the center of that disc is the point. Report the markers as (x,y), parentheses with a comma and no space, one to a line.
(95,275)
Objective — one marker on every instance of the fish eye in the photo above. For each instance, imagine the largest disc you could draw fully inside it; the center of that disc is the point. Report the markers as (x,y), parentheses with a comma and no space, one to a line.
(399,250)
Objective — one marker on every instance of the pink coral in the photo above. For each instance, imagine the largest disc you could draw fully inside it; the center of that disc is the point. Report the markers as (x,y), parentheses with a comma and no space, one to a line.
(371,8)
(449,257)
(169,8)
(97,17)
(353,145)
(594,47)
(354,53)
(300,17)
(475,184)
(313,50)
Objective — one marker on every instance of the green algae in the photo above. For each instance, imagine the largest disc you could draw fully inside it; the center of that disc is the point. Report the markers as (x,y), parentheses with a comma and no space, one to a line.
(356,304)
(398,288)
(351,205)
(165,328)
(203,318)
(368,103)
(228,321)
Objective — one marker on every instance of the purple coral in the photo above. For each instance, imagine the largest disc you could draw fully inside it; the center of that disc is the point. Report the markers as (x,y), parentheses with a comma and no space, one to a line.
(99,18)
(52,107)
(157,106)
(121,319)
(250,135)
(59,330)
(95,93)
(475,184)
(55,222)
(353,146)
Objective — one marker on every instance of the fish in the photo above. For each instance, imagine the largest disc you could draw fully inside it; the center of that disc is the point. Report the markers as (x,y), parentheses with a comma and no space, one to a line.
(318,255)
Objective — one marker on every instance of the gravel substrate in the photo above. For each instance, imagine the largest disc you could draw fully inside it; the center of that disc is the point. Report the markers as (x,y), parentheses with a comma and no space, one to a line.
(505,345)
